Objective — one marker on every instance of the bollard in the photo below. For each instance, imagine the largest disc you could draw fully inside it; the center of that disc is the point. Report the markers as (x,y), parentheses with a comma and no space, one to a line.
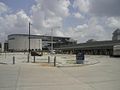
(13,60)
(28,58)
(48,59)
(54,61)
(34,59)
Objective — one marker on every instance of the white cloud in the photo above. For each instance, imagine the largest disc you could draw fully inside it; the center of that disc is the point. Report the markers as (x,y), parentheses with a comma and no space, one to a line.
(78,15)
(113,22)
(82,26)
(82,5)
(46,14)
(58,7)
(3,8)
(84,32)
(13,23)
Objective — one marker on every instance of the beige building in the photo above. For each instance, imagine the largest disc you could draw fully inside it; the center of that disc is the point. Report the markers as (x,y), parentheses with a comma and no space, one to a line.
(21,43)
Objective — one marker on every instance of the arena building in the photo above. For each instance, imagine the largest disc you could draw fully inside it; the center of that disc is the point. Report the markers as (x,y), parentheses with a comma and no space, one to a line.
(20,42)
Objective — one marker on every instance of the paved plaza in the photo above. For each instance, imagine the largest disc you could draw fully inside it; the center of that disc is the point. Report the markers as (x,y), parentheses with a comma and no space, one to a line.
(98,73)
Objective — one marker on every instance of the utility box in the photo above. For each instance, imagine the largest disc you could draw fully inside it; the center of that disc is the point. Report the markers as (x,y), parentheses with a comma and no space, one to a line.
(80,58)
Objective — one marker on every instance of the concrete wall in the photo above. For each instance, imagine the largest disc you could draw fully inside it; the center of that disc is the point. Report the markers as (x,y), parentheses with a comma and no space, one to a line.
(20,43)
(2,49)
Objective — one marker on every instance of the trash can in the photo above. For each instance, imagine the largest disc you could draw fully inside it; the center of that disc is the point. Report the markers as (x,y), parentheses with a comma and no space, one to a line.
(80,58)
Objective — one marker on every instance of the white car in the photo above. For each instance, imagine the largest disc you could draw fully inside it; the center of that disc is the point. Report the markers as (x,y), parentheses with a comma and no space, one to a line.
(52,51)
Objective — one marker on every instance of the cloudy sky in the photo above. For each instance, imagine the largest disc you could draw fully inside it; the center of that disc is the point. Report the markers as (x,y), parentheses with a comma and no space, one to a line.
(79,19)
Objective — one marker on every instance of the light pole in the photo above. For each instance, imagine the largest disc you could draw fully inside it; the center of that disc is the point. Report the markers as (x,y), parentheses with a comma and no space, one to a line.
(51,41)
(39,45)
(52,38)
(29,42)
(29,37)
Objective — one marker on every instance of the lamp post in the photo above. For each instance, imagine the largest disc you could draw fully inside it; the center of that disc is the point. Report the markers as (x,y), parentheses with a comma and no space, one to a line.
(52,38)
(29,42)
(39,45)
(51,41)
(29,37)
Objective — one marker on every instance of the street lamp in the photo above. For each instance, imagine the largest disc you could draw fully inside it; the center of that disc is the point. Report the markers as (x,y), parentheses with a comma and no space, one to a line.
(39,45)
(52,38)
(29,42)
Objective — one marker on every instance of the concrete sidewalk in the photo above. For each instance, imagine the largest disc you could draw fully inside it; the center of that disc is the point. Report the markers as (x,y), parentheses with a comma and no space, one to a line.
(34,76)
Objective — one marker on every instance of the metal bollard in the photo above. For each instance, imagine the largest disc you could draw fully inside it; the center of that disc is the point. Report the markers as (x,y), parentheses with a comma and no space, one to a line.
(13,60)
(48,59)
(54,61)
(34,59)
(28,58)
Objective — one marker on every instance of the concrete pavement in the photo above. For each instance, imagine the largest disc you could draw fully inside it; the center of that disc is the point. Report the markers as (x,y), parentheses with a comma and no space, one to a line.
(34,76)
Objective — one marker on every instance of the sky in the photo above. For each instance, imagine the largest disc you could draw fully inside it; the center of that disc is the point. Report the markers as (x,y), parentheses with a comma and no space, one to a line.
(79,19)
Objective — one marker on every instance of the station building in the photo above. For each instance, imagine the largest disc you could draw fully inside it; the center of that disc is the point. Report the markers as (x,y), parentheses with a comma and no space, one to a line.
(93,47)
